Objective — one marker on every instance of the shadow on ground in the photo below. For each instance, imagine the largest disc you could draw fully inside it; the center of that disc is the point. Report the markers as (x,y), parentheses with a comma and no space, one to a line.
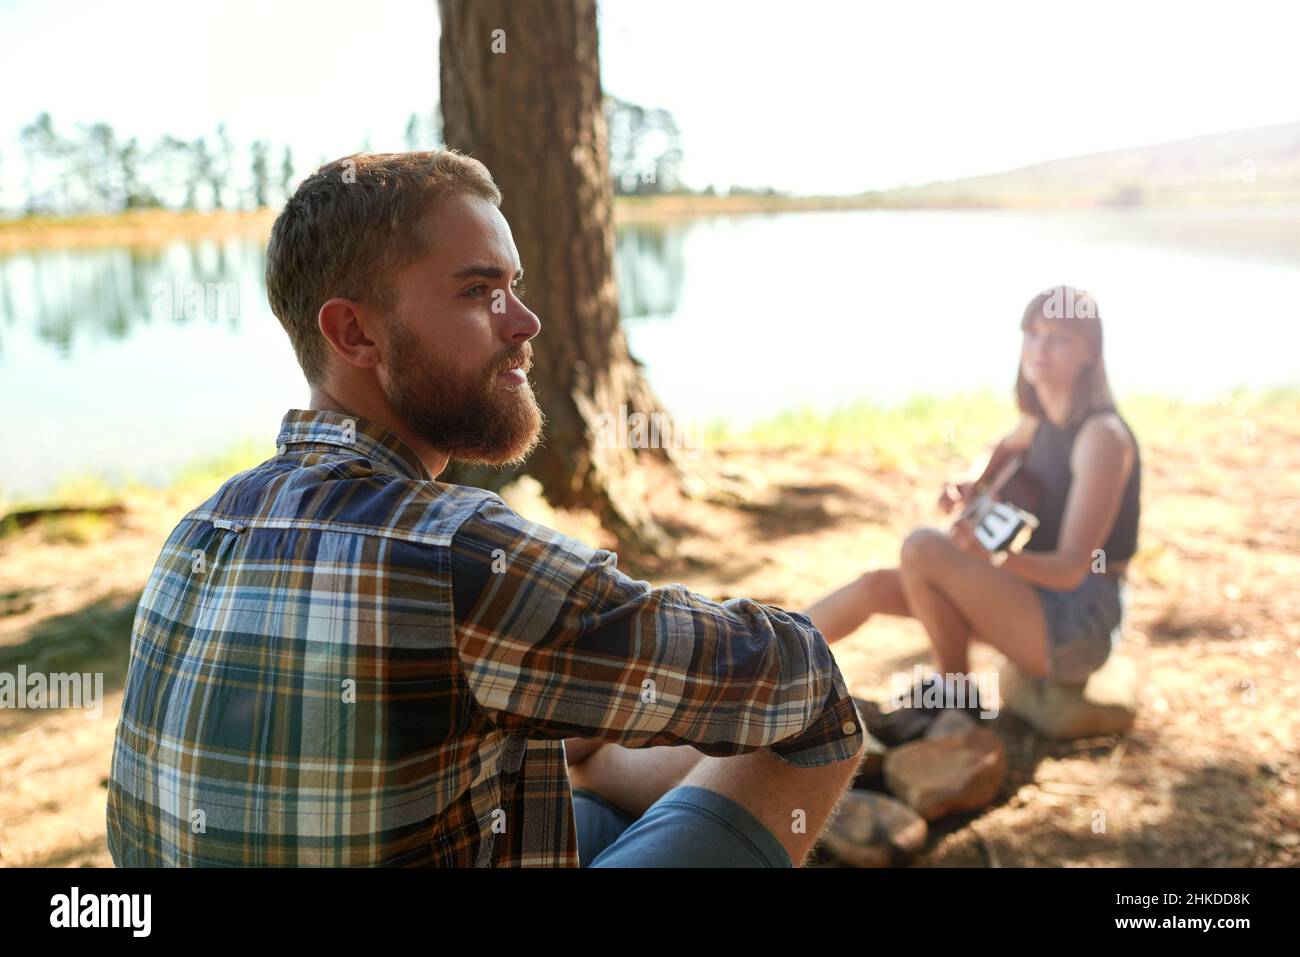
(95,638)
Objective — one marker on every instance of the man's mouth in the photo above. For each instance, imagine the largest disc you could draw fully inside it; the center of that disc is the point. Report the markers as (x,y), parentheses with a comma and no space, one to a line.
(517,372)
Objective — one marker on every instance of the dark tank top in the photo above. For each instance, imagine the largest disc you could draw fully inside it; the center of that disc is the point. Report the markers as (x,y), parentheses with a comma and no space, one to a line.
(1047,468)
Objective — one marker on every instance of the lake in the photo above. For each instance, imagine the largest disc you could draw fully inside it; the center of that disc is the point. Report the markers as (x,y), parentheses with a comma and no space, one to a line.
(122,362)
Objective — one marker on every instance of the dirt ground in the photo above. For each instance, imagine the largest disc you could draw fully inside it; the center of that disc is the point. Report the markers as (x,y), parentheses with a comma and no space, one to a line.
(1207,777)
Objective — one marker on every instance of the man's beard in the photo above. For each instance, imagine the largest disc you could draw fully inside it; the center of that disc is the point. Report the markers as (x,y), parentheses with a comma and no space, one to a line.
(474,418)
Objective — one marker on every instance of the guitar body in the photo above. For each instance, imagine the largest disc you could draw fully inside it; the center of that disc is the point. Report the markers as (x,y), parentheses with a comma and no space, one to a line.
(1003,513)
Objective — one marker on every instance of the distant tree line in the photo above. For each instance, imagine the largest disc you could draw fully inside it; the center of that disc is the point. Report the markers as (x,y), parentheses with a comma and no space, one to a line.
(94,169)
(645,151)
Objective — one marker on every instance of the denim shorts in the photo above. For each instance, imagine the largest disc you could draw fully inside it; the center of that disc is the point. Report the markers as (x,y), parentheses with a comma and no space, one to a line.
(1083,626)
(687,827)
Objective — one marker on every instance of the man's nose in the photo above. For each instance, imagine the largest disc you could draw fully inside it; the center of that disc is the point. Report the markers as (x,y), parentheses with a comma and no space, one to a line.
(522,324)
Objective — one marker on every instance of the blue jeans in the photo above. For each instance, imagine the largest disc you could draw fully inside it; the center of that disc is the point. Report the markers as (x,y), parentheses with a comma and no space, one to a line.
(687,827)
(1083,626)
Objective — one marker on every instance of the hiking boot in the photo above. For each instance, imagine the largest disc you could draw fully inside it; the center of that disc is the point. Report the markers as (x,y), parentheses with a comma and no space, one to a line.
(913,718)
(895,727)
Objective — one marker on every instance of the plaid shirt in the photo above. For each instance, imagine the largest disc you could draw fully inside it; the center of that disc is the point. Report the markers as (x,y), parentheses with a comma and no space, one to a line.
(339,661)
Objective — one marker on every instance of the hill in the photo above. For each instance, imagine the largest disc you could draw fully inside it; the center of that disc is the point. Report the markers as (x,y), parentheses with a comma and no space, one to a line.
(1258,166)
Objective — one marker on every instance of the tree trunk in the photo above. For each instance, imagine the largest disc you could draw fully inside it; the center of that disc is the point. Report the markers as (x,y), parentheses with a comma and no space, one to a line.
(521,92)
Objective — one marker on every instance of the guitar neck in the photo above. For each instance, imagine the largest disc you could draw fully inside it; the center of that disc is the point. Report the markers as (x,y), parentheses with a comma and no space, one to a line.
(1004,475)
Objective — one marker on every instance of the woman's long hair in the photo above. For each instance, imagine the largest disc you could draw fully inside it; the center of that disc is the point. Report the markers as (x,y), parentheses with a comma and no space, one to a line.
(1092,390)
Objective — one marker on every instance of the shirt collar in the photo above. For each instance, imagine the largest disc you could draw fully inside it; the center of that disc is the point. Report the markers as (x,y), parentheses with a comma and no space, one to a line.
(351,432)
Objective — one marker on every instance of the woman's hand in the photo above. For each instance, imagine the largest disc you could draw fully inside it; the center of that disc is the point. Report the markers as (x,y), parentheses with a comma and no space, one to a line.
(954,494)
(963,534)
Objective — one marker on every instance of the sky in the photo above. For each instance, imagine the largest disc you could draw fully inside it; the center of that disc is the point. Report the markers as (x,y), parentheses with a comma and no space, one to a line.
(818,96)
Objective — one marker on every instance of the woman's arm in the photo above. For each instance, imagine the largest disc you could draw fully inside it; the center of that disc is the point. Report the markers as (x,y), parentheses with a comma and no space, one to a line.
(1013,443)
(1101,462)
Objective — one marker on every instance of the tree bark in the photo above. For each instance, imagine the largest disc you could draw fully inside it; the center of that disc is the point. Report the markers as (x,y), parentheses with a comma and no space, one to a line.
(521,92)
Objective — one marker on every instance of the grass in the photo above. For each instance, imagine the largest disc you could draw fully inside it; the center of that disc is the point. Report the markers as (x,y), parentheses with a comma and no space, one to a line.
(132,227)
(897,436)
(91,491)
(955,429)
(153,227)
(1244,411)
(960,427)
(210,472)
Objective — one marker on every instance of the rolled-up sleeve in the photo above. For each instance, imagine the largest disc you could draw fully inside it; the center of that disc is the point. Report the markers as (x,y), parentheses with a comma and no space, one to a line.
(555,641)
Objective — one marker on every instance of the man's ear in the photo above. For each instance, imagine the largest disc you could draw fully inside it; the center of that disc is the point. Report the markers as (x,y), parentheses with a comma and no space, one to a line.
(344,323)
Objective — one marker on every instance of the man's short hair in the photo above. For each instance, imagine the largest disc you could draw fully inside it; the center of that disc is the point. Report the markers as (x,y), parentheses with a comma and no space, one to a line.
(350,228)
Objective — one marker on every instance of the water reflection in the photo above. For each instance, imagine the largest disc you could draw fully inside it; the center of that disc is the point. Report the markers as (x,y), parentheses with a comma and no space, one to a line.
(133,362)
(649,263)
(72,299)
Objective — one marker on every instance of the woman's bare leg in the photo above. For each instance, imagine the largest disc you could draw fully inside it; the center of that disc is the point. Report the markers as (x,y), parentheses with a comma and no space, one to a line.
(954,594)
(846,609)
(949,632)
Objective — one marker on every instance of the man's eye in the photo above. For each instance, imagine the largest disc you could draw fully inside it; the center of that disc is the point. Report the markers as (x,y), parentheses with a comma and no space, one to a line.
(519,288)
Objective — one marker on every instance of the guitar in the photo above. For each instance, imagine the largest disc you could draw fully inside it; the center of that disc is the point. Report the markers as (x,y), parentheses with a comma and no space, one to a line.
(1001,512)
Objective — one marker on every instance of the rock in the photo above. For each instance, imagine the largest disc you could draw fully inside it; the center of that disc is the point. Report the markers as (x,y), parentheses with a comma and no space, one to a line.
(949,774)
(873,763)
(873,830)
(1106,704)
(950,721)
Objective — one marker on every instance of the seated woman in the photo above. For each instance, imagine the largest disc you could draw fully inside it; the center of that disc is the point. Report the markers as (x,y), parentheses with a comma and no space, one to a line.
(1054,608)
